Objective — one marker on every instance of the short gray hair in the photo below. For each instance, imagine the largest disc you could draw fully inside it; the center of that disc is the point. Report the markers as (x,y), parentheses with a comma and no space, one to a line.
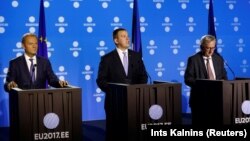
(206,39)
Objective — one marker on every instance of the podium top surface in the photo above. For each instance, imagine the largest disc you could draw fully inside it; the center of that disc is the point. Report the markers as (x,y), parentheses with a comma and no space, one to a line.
(206,81)
(121,84)
(210,80)
(158,83)
(52,88)
(168,82)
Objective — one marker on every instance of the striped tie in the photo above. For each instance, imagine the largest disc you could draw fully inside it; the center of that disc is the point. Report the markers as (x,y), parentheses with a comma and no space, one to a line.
(125,62)
(32,70)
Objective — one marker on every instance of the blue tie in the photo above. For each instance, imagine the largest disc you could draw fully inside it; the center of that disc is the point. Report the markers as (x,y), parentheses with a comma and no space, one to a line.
(125,62)
(32,70)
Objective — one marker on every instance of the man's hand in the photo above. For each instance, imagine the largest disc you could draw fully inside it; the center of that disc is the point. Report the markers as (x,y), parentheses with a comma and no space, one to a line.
(11,85)
(63,83)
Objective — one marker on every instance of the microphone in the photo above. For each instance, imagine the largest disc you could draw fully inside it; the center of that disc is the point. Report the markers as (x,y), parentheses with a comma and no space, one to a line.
(150,80)
(33,69)
(231,70)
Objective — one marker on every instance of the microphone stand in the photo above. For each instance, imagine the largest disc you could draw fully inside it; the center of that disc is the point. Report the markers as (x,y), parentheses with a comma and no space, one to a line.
(227,65)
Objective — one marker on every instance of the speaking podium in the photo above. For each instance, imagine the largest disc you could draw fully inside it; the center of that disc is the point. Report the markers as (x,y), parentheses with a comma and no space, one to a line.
(134,107)
(46,114)
(218,102)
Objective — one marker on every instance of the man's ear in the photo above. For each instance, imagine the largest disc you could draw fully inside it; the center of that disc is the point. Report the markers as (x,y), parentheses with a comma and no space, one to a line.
(23,46)
(115,40)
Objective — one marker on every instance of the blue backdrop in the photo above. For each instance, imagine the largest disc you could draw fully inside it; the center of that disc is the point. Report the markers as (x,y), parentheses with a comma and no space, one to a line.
(79,32)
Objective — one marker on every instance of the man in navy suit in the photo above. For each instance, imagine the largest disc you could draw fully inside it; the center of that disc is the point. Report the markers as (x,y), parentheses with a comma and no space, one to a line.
(199,68)
(21,68)
(114,68)
(111,69)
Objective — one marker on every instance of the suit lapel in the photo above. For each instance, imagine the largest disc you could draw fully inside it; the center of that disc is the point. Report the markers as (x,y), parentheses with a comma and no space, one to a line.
(25,65)
(39,68)
(130,65)
(203,66)
(215,61)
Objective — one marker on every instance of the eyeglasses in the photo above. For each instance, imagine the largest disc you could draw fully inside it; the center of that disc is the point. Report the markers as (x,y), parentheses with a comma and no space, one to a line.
(209,48)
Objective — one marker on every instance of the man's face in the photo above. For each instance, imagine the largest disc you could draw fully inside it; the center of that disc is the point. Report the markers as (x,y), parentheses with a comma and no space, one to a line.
(122,40)
(30,46)
(208,49)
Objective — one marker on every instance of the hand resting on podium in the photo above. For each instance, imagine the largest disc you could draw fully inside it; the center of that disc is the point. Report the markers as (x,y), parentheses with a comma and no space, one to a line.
(63,83)
(11,85)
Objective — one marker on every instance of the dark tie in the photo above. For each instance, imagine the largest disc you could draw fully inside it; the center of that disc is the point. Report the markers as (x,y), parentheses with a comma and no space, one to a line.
(32,70)
(125,62)
(209,70)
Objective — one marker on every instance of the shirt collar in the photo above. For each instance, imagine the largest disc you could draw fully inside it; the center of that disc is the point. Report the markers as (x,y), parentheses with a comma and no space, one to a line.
(120,51)
(27,57)
(205,57)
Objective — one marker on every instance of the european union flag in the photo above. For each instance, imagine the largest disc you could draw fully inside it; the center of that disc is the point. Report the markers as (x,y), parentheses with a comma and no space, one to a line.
(42,39)
(42,46)
(136,33)
(211,26)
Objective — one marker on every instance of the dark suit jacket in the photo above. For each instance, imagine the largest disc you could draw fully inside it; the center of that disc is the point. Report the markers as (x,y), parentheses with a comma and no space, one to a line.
(196,69)
(19,72)
(111,70)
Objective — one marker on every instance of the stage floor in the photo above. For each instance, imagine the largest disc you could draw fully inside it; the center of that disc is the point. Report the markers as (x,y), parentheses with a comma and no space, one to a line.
(92,130)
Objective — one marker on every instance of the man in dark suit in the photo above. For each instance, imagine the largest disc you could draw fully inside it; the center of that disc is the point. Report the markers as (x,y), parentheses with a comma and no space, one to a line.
(204,65)
(30,71)
(121,65)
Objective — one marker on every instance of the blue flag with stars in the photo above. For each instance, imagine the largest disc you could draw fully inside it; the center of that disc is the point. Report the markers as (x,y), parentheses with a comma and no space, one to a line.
(42,46)
(211,26)
(136,33)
